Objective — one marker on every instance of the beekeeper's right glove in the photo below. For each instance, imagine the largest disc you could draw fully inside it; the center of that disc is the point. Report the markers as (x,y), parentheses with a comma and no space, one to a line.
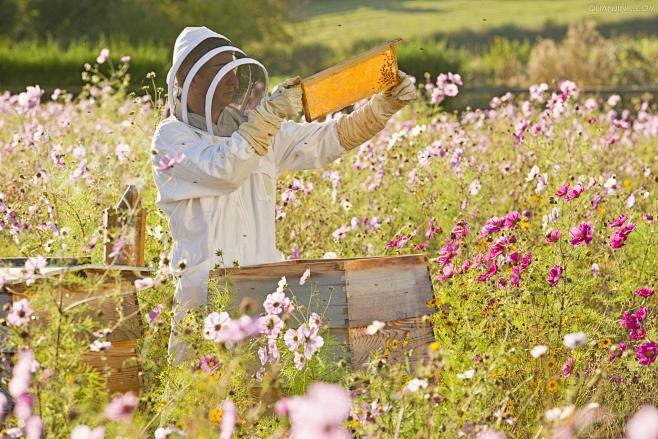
(362,124)
(265,120)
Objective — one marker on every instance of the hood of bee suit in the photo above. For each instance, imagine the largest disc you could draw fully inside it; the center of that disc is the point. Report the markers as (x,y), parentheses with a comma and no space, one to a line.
(221,81)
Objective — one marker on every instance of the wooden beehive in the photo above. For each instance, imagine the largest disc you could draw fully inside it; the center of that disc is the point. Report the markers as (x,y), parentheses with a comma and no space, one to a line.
(350,81)
(112,299)
(355,292)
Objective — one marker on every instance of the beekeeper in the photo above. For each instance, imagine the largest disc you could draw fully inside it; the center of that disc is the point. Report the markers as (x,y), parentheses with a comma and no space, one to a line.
(235,141)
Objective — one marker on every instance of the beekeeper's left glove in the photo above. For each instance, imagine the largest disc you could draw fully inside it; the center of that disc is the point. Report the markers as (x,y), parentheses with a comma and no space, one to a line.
(362,124)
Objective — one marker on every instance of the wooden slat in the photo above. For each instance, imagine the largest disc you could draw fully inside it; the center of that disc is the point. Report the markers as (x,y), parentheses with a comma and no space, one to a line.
(119,364)
(420,336)
(257,287)
(387,289)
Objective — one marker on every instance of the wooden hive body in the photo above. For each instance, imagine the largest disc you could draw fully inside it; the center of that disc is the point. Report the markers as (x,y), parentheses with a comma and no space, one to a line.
(112,297)
(352,293)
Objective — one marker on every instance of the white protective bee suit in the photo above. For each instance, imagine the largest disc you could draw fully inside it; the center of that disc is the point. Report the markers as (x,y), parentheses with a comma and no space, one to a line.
(221,194)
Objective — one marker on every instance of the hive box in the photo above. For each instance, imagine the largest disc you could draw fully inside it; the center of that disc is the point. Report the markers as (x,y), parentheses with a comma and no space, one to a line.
(352,293)
(112,297)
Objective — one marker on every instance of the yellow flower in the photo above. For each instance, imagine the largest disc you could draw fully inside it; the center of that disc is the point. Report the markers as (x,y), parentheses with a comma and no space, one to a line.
(386,352)
(433,303)
(606,343)
(627,183)
(601,211)
(497,373)
(394,344)
(434,346)
(405,342)
(354,424)
(551,363)
(215,415)
(523,223)
(552,386)
(534,198)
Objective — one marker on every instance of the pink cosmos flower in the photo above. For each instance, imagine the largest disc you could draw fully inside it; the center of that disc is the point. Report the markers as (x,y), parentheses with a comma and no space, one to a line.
(208,363)
(277,302)
(493,269)
(166,162)
(91,244)
(146,282)
(154,313)
(102,57)
(493,225)
(214,323)
(498,247)
(646,353)
(465,266)
(567,367)
(553,235)
(292,339)
(300,360)
(574,193)
(229,417)
(20,313)
(314,321)
(85,432)
(432,229)
(620,235)
(511,219)
(121,407)
(643,424)
(562,191)
(421,246)
(448,252)
(645,292)
(460,229)
(447,272)
(526,261)
(619,221)
(311,340)
(554,275)
(581,234)
(271,325)
(319,414)
(516,274)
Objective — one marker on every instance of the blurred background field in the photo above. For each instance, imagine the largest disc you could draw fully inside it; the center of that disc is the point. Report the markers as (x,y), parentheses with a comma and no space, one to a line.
(505,44)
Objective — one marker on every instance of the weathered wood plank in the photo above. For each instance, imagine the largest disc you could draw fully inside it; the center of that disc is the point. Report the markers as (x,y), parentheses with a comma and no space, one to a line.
(324,291)
(387,289)
(119,364)
(398,335)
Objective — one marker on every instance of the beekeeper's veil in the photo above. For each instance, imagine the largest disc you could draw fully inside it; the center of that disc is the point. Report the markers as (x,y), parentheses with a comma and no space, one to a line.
(217,80)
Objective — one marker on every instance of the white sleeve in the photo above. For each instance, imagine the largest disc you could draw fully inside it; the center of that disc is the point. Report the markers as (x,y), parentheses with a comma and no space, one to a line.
(311,145)
(206,169)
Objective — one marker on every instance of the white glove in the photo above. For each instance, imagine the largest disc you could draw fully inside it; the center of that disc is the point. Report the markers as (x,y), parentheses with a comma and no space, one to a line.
(362,124)
(265,120)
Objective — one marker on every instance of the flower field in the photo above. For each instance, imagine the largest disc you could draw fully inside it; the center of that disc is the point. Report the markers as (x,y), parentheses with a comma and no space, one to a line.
(537,214)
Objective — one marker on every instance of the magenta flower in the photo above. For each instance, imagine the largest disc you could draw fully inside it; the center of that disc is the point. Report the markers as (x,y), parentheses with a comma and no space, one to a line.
(567,367)
(646,353)
(320,414)
(121,407)
(620,235)
(553,235)
(208,363)
(421,246)
(498,247)
(527,259)
(562,191)
(493,269)
(432,229)
(574,193)
(511,219)
(20,313)
(619,221)
(645,292)
(460,229)
(581,234)
(516,274)
(554,275)
(448,252)
(493,225)
(447,272)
